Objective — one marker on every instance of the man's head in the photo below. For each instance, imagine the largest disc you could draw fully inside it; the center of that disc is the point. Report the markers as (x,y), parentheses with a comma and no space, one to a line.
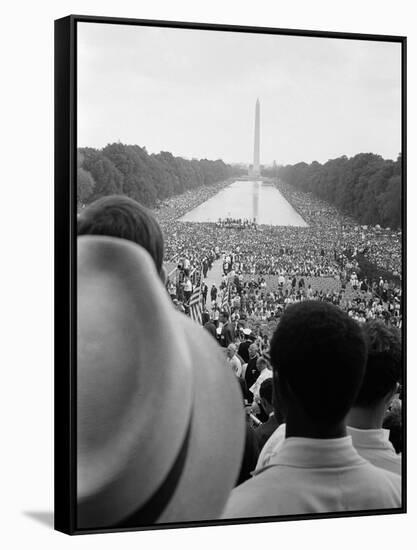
(253,350)
(383,366)
(266,395)
(231,350)
(318,355)
(122,217)
(261,364)
(247,333)
(225,316)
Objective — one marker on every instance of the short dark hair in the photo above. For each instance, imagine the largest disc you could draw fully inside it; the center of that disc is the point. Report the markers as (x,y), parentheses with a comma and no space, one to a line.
(262,361)
(319,353)
(383,366)
(225,314)
(265,391)
(122,217)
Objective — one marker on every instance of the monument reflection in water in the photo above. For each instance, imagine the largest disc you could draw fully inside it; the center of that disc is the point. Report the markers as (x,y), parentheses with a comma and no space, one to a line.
(247,200)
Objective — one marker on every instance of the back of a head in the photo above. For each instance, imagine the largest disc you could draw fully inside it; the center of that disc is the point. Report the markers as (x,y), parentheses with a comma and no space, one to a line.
(253,348)
(122,217)
(261,363)
(266,390)
(319,353)
(383,367)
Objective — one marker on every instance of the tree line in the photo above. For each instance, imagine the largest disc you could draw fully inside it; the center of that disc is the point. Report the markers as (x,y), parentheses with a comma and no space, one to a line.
(365,186)
(147,178)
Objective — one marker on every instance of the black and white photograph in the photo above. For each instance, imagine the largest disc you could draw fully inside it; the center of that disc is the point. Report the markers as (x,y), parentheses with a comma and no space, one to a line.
(239,229)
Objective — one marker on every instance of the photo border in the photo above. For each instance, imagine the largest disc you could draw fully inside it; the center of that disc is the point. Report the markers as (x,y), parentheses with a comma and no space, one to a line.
(65,381)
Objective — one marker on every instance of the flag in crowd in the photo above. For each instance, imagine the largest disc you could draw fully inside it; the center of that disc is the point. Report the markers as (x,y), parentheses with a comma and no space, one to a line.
(195,304)
(226,298)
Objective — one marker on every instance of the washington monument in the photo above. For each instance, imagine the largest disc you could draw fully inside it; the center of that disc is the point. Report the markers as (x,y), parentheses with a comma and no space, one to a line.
(256,171)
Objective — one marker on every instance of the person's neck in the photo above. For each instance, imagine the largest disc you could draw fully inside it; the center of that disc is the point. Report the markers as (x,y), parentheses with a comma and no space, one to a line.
(303,426)
(366,418)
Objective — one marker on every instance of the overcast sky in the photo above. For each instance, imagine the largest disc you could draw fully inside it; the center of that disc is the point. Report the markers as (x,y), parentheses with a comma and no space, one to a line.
(193,93)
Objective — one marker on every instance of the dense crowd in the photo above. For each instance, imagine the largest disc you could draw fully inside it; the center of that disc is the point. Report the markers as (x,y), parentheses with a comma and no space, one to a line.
(237,223)
(316,426)
(269,267)
(381,246)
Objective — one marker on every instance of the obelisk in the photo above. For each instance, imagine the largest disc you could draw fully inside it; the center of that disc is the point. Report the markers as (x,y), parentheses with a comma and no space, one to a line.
(256,148)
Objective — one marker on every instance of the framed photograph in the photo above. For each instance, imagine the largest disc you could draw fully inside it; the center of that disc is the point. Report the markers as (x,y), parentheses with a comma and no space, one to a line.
(230,312)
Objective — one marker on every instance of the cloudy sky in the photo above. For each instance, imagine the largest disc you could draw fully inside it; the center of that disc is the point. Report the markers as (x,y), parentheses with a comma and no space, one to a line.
(193,93)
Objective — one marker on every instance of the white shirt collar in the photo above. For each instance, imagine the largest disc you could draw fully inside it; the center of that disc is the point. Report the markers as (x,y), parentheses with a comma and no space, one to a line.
(303,452)
(373,438)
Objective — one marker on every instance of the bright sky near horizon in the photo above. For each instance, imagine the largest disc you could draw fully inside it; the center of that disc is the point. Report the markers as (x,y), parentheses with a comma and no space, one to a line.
(193,93)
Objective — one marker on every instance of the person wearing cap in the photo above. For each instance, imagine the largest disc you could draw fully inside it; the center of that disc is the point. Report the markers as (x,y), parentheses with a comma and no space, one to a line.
(379,386)
(233,360)
(319,356)
(147,432)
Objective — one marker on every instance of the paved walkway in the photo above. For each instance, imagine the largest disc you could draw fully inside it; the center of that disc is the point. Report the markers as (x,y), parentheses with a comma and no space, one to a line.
(214,276)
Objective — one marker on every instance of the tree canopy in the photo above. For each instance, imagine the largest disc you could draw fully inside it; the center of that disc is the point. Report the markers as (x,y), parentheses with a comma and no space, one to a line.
(132,171)
(365,186)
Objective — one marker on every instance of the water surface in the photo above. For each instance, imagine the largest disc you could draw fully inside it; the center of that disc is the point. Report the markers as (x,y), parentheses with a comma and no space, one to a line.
(248,200)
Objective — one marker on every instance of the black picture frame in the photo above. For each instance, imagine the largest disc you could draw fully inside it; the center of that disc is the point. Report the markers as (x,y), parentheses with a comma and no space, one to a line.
(65,261)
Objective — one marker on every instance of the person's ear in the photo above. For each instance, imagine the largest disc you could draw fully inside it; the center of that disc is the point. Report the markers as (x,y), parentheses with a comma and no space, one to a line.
(163,275)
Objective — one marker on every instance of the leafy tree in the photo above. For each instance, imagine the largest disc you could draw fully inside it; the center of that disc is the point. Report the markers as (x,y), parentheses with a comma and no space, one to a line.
(365,186)
(130,170)
(85,182)
(108,179)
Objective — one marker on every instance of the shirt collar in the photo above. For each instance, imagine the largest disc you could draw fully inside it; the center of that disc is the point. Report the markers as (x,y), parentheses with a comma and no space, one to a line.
(375,438)
(303,452)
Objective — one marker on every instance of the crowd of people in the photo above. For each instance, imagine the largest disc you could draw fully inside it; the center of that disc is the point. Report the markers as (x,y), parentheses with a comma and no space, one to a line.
(273,266)
(237,223)
(314,347)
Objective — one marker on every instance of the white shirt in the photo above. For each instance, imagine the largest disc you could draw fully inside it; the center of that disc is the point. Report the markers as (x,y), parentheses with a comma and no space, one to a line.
(372,445)
(271,447)
(375,446)
(310,476)
(266,373)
